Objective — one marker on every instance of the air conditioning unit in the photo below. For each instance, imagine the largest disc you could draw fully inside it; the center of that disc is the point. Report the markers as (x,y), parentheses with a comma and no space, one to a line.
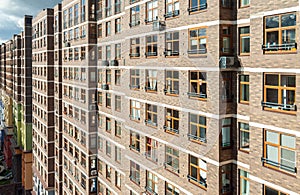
(227,62)
(159,25)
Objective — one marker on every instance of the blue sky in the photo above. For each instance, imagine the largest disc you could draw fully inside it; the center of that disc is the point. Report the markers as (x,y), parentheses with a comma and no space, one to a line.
(13,11)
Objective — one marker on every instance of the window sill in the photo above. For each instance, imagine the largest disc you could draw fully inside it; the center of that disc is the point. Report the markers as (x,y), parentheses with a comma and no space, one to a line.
(280,111)
(198,185)
(244,150)
(172,18)
(199,99)
(244,103)
(245,6)
(172,133)
(151,57)
(151,91)
(197,55)
(177,174)
(279,170)
(172,95)
(197,12)
(197,142)
(244,54)
(279,52)
(172,56)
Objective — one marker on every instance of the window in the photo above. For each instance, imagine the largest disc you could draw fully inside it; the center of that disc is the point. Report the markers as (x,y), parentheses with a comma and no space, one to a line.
(198,85)
(134,172)
(151,183)
(226,132)
(118,51)
(135,48)
(134,16)
(108,148)
(171,190)
(108,100)
(118,103)
(197,41)
(82,10)
(108,28)
(135,79)
(118,129)
(108,52)
(271,191)
(99,53)
(279,92)
(151,46)
(108,8)
(151,11)
(244,3)
(108,76)
(151,115)
(227,94)
(244,136)
(108,172)
(135,110)
(172,121)
(117,6)
(134,141)
(151,80)
(118,154)
(118,25)
(245,40)
(197,171)
(108,125)
(172,159)
(280,33)
(172,8)
(82,55)
(100,98)
(118,179)
(172,44)
(117,77)
(226,40)
(151,149)
(99,10)
(244,183)
(99,30)
(226,172)
(279,151)
(197,5)
(197,128)
(172,82)
(244,89)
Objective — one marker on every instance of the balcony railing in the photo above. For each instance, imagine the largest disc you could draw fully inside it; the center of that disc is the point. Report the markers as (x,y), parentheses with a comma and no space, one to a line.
(134,147)
(171,91)
(197,95)
(279,165)
(150,122)
(272,105)
(197,138)
(196,180)
(172,14)
(149,190)
(136,23)
(170,167)
(169,129)
(150,54)
(280,47)
(197,8)
(197,51)
(171,53)
(134,55)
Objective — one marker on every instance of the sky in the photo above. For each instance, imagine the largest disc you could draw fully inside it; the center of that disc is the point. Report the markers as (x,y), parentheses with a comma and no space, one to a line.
(12,13)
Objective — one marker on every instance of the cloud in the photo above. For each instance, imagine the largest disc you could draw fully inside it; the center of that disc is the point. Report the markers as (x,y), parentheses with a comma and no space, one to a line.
(12,14)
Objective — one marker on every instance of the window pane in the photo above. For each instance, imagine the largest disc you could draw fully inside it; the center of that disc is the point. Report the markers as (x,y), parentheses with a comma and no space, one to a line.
(272,137)
(272,22)
(288,36)
(288,20)
(245,44)
(288,141)
(272,154)
(272,95)
(288,158)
